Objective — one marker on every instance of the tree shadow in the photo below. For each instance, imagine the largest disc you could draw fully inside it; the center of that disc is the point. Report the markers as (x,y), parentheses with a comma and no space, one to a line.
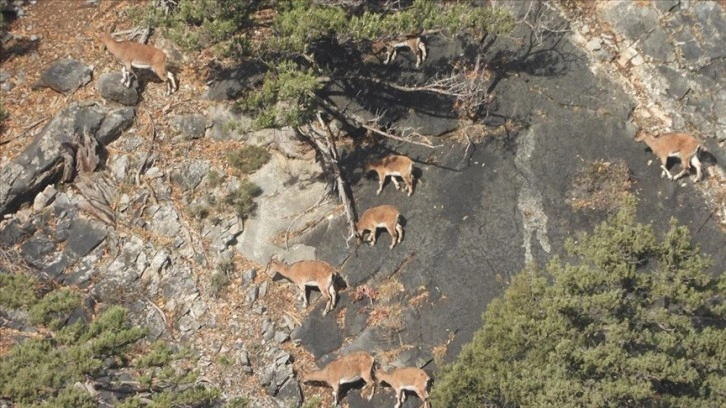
(549,61)
(18,48)
(233,81)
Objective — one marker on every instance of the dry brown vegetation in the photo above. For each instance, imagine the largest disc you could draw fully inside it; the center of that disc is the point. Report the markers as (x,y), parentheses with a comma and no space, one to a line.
(601,185)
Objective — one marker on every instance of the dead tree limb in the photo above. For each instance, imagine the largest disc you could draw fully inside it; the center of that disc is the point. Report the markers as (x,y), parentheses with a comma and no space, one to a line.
(423,88)
(314,206)
(325,145)
(26,129)
(144,162)
(360,122)
(343,191)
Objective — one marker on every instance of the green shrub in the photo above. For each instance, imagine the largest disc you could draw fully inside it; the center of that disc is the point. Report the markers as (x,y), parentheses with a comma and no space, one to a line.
(53,309)
(313,402)
(237,402)
(198,211)
(243,198)
(636,322)
(248,159)
(70,397)
(17,290)
(159,355)
(286,97)
(219,281)
(45,369)
(214,179)
(196,24)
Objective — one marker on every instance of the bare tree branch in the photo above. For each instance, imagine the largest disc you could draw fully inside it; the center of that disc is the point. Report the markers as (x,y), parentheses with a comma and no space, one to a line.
(145,162)
(360,122)
(325,144)
(542,17)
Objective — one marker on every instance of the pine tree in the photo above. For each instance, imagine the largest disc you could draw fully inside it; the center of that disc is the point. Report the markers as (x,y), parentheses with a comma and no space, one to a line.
(632,321)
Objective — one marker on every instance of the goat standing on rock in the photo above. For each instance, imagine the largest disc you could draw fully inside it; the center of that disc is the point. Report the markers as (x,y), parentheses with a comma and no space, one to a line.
(393,166)
(136,55)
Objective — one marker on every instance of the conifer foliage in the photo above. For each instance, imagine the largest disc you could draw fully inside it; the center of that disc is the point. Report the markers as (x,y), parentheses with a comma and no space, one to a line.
(631,321)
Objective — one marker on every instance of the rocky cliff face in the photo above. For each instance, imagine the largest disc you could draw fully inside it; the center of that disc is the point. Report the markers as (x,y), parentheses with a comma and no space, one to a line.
(572,86)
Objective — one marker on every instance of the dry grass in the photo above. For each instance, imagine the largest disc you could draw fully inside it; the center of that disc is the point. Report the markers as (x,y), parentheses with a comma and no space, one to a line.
(418,300)
(601,185)
(390,289)
(440,350)
(389,318)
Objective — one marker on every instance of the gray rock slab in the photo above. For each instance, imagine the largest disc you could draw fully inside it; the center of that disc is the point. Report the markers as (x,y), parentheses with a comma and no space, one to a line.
(227,123)
(631,18)
(658,45)
(37,248)
(110,87)
(191,126)
(678,84)
(84,236)
(14,231)
(290,187)
(319,335)
(667,6)
(470,225)
(65,76)
(191,174)
(38,165)
(289,394)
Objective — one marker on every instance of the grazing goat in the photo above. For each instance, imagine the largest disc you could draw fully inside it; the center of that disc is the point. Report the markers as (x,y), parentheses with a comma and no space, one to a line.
(406,379)
(308,273)
(346,369)
(383,216)
(415,44)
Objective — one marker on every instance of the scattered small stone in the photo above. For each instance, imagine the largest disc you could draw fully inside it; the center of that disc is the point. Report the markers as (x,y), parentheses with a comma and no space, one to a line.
(594,44)
(267,375)
(153,173)
(263,288)
(248,276)
(251,295)
(178,242)
(44,197)
(244,358)
(281,337)
(637,60)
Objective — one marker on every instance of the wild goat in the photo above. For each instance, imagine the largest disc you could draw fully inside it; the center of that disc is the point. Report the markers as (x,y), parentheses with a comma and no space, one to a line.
(393,166)
(308,273)
(383,216)
(346,369)
(136,55)
(681,145)
(406,379)
(415,44)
